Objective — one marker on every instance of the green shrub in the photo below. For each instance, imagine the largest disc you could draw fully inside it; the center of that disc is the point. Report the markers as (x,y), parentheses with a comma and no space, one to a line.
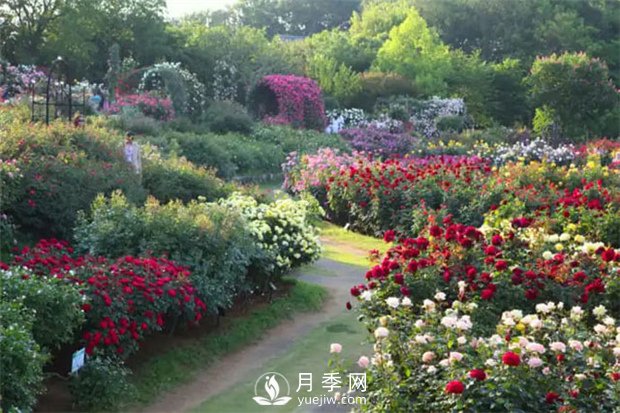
(452,123)
(63,169)
(230,154)
(102,384)
(577,90)
(54,302)
(234,155)
(299,140)
(212,240)
(135,121)
(226,116)
(177,178)
(375,85)
(21,361)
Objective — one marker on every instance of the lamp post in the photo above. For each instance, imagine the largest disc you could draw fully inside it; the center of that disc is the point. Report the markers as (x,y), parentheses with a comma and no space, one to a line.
(57,61)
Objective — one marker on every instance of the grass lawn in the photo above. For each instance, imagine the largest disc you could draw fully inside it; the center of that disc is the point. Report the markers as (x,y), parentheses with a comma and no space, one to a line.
(309,355)
(181,363)
(348,247)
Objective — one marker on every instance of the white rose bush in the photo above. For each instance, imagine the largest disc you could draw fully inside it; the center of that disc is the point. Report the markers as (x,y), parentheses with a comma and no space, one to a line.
(282,230)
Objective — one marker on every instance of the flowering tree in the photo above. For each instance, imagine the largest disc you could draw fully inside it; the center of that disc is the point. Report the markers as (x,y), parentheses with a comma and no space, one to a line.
(290,100)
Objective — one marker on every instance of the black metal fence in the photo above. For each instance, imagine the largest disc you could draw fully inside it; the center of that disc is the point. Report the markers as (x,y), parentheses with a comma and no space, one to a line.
(57,97)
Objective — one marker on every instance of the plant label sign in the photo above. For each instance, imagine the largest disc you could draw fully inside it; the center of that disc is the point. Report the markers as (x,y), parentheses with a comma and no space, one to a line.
(77,361)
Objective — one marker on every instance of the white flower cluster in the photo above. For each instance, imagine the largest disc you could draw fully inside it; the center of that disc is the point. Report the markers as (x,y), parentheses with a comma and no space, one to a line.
(225,80)
(536,150)
(430,111)
(281,229)
(344,118)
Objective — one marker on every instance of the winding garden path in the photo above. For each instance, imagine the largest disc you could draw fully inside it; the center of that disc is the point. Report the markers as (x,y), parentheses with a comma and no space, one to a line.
(297,345)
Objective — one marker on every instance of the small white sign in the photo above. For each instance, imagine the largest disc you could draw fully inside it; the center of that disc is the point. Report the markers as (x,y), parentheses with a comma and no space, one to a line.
(77,361)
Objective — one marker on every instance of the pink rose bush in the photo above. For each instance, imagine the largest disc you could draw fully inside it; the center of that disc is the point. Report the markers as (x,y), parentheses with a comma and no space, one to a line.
(298,99)
(150,105)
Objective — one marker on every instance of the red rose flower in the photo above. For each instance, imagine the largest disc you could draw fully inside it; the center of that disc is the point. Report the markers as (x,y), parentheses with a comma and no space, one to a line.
(455,387)
(608,255)
(435,231)
(487,294)
(511,359)
(389,235)
(552,397)
(478,374)
(501,265)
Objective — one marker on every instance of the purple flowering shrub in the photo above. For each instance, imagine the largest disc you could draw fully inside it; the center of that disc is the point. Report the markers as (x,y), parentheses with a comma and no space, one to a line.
(379,142)
(290,100)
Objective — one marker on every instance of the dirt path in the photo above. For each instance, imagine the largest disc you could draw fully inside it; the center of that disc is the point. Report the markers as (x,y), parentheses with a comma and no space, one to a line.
(235,366)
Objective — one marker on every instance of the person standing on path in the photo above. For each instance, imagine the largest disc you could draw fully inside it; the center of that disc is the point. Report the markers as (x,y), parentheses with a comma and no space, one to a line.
(132,153)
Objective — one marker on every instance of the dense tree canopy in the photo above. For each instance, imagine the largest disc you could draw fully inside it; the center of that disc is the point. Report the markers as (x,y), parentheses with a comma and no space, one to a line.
(478,50)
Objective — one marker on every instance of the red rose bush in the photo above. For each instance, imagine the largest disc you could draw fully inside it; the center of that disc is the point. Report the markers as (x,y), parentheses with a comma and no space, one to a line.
(124,300)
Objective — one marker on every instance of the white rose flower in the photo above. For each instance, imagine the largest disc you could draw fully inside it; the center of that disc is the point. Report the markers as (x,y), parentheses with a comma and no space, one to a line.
(440,296)
(393,302)
(600,329)
(575,345)
(428,305)
(535,348)
(406,302)
(599,311)
(381,332)
(558,346)
(366,295)
(428,357)
(449,321)
(455,356)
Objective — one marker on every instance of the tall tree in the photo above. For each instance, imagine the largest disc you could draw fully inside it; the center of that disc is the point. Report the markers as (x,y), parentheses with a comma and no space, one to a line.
(415,51)
(25,25)
(294,17)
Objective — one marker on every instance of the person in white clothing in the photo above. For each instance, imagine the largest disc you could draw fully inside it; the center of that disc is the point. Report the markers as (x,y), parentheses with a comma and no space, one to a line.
(132,153)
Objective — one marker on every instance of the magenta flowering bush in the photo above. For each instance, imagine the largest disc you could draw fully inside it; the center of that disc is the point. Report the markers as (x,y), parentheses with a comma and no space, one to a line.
(290,100)
(378,141)
(151,106)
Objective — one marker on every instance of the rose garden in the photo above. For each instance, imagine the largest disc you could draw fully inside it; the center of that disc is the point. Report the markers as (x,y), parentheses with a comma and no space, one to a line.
(372,196)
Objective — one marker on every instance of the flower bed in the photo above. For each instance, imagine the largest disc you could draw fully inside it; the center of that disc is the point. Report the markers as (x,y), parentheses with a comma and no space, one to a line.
(549,360)
(373,196)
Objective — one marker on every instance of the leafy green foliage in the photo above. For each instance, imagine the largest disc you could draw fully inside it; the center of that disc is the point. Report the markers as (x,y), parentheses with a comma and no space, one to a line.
(227,116)
(55,305)
(101,382)
(336,79)
(415,51)
(177,178)
(578,91)
(21,360)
